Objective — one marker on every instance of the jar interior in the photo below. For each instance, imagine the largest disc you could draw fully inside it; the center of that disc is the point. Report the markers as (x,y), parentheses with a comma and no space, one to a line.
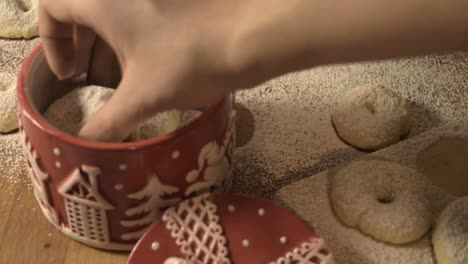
(42,87)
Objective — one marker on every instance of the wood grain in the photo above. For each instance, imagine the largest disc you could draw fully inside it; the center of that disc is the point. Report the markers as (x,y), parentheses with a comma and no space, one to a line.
(27,237)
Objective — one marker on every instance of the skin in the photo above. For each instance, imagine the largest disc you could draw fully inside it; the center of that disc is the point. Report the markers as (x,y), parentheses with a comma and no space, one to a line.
(185,54)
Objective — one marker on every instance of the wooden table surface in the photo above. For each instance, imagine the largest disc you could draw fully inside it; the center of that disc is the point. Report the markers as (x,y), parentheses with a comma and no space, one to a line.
(27,237)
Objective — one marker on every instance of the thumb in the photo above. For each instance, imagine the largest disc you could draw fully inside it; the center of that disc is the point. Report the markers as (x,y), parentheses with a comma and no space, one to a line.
(122,113)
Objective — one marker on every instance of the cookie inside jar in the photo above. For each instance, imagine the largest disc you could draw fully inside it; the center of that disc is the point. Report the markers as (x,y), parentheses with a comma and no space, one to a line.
(70,112)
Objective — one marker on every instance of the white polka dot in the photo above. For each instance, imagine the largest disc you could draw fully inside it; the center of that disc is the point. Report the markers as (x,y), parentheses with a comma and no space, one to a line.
(261,212)
(283,240)
(245,243)
(175,154)
(123,167)
(57,152)
(58,164)
(155,246)
(118,187)
(231,208)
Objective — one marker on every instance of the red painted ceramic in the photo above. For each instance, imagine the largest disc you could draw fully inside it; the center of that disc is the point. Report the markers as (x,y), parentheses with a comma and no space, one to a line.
(228,228)
(106,195)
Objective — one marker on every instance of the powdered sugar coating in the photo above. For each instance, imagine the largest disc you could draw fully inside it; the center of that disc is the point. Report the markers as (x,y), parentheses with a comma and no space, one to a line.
(188,116)
(12,165)
(371,117)
(70,112)
(160,124)
(450,238)
(8,103)
(19,18)
(382,199)
(348,244)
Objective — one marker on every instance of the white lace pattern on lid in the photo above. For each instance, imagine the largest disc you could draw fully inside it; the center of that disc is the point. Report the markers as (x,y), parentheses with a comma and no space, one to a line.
(196,229)
(313,252)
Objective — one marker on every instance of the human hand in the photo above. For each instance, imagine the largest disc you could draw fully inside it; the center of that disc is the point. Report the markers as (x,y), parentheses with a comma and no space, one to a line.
(189,53)
(172,54)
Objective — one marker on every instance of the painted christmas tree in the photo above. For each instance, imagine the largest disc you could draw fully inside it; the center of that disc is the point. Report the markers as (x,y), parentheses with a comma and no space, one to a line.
(153,193)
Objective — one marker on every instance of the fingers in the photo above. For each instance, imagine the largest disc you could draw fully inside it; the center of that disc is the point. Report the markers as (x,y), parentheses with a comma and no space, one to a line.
(126,109)
(67,42)
(84,39)
(104,68)
(57,40)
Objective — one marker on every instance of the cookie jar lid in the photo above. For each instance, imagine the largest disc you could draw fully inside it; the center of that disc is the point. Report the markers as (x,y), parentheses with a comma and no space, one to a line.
(229,228)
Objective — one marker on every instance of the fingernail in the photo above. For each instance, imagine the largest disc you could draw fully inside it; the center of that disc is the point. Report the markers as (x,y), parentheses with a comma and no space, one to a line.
(65,74)
(63,77)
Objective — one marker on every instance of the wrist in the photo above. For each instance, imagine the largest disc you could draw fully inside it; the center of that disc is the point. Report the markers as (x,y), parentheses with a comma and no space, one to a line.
(293,35)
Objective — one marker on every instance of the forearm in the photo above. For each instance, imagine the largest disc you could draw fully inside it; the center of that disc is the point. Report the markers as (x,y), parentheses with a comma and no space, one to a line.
(292,35)
(369,29)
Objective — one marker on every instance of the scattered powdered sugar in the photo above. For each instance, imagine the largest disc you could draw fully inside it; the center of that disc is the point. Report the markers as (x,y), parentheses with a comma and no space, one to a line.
(294,137)
(245,125)
(188,116)
(13,53)
(12,164)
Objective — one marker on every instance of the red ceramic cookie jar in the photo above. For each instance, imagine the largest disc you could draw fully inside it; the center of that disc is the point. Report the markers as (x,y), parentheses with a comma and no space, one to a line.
(106,195)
